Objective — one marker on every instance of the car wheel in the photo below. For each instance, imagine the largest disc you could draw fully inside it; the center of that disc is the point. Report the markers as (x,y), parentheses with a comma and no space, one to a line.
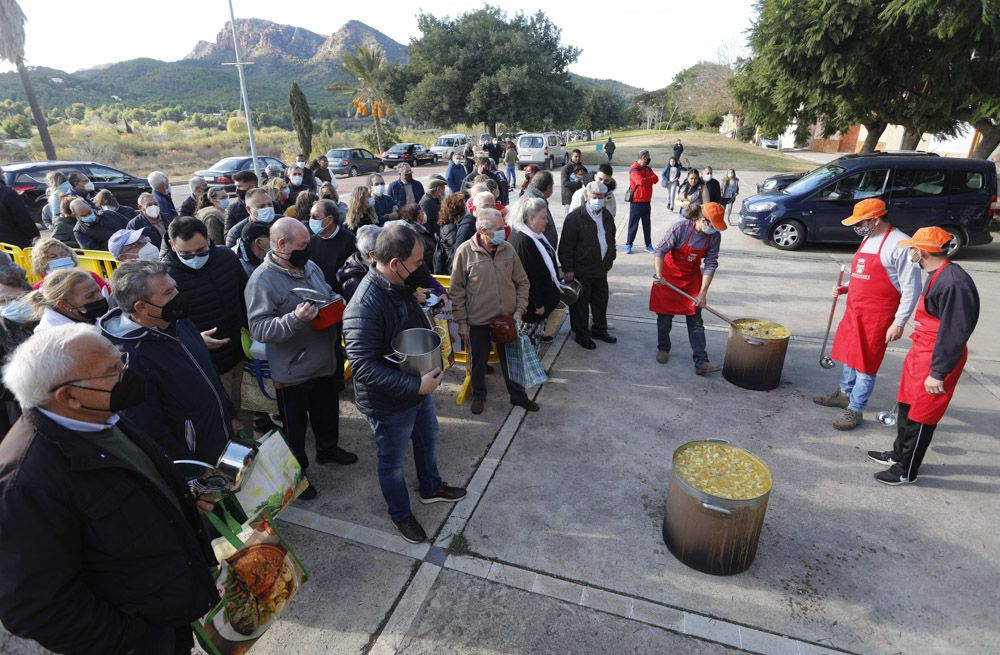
(788,235)
(353,172)
(548,164)
(380,168)
(957,240)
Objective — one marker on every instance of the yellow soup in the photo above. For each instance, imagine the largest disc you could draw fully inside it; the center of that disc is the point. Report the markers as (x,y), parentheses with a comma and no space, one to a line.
(722,470)
(753,327)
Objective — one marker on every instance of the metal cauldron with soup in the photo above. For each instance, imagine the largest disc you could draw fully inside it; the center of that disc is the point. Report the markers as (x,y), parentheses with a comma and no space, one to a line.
(715,506)
(755,354)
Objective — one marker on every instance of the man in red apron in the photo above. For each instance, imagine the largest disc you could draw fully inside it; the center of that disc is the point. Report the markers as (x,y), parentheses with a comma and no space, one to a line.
(884,287)
(946,316)
(678,261)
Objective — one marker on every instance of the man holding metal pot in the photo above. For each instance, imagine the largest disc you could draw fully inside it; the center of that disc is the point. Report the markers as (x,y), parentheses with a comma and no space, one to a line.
(488,282)
(884,288)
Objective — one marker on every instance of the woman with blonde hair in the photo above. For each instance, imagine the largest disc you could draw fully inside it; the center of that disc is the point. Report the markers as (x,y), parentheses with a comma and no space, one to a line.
(279,191)
(327,191)
(57,188)
(359,209)
(69,295)
(49,255)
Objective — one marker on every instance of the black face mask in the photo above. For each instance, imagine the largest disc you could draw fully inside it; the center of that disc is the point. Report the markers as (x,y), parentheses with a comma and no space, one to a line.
(407,177)
(297,258)
(129,391)
(241,193)
(611,184)
(94,310)
(410,281)
(175,309)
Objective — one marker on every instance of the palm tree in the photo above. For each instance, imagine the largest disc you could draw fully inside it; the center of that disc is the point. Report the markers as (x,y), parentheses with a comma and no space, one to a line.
(12,50)
(365,66)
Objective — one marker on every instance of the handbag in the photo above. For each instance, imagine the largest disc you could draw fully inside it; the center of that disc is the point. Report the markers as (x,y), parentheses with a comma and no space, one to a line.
(257,392)
(523,365)
(503,330)
(629,193)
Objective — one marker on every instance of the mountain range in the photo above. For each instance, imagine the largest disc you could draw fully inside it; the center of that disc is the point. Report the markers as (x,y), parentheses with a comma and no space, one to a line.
(280,54)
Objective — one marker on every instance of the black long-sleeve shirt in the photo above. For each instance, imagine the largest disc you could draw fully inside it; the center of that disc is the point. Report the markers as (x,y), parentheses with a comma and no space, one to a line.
(952,299)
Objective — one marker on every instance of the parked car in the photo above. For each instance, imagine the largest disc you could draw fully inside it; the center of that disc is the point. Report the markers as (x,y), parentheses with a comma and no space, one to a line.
(448,144)
(545,149)
(353,161)
(28,179)
(220,174)
(919,190)
(409,153)
(770,144)
(777,182)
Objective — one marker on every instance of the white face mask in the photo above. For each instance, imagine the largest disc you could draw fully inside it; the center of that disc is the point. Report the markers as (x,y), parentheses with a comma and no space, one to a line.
(153,211)
(107,208)
(296,180)
(89,186)
(149,252)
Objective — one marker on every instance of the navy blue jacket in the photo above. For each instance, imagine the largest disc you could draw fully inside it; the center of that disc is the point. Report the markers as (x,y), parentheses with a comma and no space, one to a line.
(140,222)
(167,210)
(397,192)
(383,206)
(96,235)
(454,176)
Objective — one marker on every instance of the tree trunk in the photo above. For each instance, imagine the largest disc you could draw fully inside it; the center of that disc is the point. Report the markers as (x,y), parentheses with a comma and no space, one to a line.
(378,133)
(911,138)
(990,140)
(491,127)
(36,110)
(875,131)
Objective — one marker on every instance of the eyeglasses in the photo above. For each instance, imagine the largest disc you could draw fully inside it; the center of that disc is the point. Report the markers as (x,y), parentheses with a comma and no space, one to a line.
(73,382)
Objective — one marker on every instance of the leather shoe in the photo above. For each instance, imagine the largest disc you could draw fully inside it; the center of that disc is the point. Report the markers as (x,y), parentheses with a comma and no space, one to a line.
(587,343)
(309,492)
(606,338)
(337,456)
(478,405)
(528,404)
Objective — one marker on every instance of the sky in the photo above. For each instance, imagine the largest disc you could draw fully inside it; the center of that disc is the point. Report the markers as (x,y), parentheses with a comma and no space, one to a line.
(630,42)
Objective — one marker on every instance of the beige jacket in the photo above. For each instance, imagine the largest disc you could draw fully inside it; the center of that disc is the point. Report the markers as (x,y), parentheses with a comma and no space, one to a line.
(484,287)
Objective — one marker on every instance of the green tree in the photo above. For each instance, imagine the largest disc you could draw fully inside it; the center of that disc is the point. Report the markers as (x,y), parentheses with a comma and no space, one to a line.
(366,67)
(600,109)
(302,120)
(16,126)
(482,67)
(12,50)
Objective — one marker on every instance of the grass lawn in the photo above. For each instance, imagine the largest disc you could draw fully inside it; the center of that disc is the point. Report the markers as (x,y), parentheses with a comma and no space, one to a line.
(702,148)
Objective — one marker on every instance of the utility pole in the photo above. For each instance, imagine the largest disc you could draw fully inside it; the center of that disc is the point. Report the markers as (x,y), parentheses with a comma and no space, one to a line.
(243,89)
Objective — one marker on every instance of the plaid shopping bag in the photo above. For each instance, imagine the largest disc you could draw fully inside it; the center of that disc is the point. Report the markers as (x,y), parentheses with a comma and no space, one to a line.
(523,364)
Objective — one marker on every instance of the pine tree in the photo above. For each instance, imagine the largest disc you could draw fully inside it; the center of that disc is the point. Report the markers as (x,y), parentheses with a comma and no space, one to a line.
(301,119)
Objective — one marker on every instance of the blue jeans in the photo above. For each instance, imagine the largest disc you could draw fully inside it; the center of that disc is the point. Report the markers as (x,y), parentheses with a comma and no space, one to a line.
(671,194)
(511,177)
(392,434)
(696,335)
(858,387)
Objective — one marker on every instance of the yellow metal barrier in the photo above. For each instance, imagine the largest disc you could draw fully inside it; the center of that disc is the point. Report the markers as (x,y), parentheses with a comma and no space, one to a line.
(462,356)
(21,257)
(97,261)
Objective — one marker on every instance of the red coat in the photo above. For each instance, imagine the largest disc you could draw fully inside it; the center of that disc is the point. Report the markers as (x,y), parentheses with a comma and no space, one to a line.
(641,178)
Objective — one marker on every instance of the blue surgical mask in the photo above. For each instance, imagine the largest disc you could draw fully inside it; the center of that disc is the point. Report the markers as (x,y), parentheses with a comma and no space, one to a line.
(498,237)
(378,189)
(296,180)
(196,261)
(224,203)
(61,262)
(708,229)
(17,311)
(371,202)
(316,225)
(89,219)
(265,215)
(596,204)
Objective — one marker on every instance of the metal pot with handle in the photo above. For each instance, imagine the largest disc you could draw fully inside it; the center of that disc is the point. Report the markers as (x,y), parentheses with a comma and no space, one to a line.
(417,350)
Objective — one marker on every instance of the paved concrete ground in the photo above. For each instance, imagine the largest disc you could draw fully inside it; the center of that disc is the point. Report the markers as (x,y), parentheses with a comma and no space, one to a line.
(558,547)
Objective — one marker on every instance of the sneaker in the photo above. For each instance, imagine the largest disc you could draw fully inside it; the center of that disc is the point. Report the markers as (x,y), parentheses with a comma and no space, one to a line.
(411,530)
(309,492)
(605,337)
(445,494)
(478,405)
(892,478)
(836,399)
(548,339)
(881,457)
(628,250)
(650,250)
(706,368)
(336,456)
(662,356)
(849,419)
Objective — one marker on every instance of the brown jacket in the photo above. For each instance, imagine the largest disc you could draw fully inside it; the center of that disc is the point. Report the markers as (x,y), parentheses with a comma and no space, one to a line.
(215,221)
(484,286)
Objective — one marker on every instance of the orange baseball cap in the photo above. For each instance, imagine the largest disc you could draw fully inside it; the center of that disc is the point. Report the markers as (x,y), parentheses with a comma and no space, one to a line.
(928,239)
(716,213)
(865,210)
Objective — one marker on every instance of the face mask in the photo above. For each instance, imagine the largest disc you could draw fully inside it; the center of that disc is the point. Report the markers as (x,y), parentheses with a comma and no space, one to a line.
(297,258)
(706,176)
(153,211)
(196,262)
(89,219)
(371,202)
(128,392)
(265,214)
(300,163)
(378,189)
(410,281)
(407,177)
(149,252)
(107,208)
(457,160)
(61,262)
(597,204)
(170,190)
(175,309)
(224,203)
(498,237)
(707,229)
(89,186)
(316,225)
(296,180)
(241,194)
(94,310)
(17,311)
(862,230)
(914,256)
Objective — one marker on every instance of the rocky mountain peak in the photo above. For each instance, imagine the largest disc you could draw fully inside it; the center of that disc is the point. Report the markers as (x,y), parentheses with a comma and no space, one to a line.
(260,37)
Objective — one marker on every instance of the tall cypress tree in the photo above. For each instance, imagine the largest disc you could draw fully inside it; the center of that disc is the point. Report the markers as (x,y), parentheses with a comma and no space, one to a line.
(301,118)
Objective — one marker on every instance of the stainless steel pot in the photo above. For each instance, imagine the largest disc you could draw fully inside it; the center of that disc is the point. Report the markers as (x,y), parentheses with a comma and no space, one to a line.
(236,462)
(417,350)
(570,292)
(708,533)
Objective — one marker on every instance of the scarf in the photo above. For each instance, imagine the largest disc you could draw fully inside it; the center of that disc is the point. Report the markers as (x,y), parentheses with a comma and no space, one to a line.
(545,249)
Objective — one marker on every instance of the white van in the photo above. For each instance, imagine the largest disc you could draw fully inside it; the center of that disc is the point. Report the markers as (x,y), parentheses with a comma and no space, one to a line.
(545,149)
(449,144)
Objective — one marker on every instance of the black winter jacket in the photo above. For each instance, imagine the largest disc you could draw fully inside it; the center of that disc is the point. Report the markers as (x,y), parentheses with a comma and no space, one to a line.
(16,225)
(543,292)
(444,254)
(465,229)
(569,187)
(91,552)
(580,250)
(377,313)
(215,299)
(96,235)
(351,273)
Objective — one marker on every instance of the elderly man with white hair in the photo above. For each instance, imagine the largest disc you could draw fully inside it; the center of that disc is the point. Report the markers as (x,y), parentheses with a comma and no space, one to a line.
(466,227)
(307,361)
(487,281)
(199,187)
(94,226)
(161,191)
(102,549)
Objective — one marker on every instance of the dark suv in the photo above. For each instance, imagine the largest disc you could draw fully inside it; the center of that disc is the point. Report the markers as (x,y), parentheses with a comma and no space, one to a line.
(920,190)
(28,179)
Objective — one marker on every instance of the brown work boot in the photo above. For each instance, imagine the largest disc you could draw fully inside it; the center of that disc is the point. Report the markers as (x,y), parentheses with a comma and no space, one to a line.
(836,399)
(662,356)
(849,419)
(706,368)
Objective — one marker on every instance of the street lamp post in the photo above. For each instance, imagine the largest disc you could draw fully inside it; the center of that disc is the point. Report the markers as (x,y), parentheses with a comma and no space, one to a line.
(243,90)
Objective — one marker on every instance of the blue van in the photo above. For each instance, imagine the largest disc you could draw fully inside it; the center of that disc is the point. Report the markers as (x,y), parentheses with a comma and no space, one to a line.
(919,190)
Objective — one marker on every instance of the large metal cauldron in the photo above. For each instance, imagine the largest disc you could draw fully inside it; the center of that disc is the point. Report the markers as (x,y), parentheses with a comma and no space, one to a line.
(755,363)
(712,534)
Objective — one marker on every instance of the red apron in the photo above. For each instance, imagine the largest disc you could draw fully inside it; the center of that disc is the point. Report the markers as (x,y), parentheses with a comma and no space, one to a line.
(681,268)
(872,302)
(924,407)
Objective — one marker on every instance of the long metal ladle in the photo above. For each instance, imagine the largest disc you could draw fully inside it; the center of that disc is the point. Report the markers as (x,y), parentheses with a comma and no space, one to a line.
(824,360)
(739,330)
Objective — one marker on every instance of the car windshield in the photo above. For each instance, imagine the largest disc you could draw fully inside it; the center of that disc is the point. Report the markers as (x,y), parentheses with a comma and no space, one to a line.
(399,147)
(228,162)
(814,179)
(337,154)
(445,142)
(531,142)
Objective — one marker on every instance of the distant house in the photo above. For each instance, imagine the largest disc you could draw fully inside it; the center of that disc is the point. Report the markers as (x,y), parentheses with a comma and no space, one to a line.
(56,80)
